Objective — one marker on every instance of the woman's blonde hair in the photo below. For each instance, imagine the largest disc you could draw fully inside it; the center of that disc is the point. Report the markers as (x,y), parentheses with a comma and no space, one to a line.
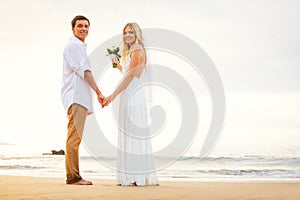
(138,41)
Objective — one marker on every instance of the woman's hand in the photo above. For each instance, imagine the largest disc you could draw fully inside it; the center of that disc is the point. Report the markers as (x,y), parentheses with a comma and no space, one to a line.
(116,60)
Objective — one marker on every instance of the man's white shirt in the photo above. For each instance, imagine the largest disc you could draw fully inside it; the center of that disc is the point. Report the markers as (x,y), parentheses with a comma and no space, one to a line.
(74,88)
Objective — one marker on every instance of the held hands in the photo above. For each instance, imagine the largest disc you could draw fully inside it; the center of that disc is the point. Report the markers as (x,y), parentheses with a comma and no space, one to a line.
(105,101)
(100,98)
(108,100)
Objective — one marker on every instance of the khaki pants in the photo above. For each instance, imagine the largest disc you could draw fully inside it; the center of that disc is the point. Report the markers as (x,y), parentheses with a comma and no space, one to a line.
(76,115)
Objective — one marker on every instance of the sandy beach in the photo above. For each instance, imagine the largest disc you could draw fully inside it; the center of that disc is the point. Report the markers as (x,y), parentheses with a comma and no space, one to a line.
(17,187)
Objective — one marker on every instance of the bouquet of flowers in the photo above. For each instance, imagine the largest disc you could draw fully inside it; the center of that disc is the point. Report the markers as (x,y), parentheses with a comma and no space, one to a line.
(114,53)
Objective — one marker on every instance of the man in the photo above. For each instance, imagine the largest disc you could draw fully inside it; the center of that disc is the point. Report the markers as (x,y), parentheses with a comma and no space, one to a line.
(77,85)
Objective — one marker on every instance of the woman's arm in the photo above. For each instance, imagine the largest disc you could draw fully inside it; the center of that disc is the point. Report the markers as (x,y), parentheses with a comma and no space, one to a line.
(136,66)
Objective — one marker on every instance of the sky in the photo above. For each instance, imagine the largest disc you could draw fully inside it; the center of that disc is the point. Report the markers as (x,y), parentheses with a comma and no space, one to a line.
(254,45)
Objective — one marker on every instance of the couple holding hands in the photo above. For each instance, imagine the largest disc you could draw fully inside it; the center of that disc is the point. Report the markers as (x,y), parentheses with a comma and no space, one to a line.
(135,165)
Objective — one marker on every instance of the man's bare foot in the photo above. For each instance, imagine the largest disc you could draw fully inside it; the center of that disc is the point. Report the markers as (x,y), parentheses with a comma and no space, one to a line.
(133,184)
(82,182)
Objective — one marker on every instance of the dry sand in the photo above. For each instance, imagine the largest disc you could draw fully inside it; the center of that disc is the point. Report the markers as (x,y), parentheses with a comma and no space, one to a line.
(18,187)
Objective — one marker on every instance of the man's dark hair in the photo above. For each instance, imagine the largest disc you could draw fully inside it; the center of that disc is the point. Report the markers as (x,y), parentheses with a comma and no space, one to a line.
(78,17)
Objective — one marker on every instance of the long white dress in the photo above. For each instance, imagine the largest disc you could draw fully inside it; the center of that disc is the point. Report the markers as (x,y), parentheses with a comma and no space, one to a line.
(135,163)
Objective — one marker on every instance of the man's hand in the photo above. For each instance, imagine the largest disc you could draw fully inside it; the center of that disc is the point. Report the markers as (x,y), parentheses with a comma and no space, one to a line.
(100,98)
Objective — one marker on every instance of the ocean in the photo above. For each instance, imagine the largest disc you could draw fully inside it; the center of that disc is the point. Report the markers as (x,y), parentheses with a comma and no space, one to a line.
(187,168)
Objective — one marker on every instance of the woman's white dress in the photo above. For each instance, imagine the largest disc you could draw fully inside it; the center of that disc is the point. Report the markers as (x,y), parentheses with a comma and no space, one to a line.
(134,157)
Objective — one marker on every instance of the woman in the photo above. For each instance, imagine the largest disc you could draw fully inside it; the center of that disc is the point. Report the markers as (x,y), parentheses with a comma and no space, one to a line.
(135,165)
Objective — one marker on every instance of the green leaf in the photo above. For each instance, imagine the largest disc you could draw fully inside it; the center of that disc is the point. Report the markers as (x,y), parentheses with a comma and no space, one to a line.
(109,51)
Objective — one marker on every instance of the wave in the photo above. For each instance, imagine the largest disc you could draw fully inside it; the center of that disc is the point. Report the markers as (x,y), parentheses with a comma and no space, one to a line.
(246,157)
(20,167)
(250,166)
(280,173)
(255,160)
(228,173)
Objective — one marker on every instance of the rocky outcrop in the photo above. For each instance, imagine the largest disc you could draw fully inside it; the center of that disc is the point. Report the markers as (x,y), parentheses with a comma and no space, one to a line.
(54,152)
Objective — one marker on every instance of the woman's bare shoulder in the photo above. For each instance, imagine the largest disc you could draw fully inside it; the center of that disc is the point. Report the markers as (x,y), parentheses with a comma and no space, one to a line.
(137,47)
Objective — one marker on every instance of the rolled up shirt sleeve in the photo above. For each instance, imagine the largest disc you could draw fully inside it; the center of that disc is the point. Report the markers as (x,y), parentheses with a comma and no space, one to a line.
(77,60)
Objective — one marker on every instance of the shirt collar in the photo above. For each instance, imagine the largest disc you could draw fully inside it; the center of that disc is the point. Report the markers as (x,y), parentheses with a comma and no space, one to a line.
(75,39)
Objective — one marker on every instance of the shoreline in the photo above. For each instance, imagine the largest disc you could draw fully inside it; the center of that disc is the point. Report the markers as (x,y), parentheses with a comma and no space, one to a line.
(27,187)
(178,179)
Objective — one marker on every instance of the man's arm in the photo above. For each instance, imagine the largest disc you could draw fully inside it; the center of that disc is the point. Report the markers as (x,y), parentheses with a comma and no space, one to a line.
(89,78)
(74,57)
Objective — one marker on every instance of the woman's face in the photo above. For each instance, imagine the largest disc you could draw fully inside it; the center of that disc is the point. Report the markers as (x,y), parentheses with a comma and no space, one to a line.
(129,36)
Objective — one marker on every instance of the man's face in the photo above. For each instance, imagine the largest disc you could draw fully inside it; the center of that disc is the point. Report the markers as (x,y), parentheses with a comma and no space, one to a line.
(81,29)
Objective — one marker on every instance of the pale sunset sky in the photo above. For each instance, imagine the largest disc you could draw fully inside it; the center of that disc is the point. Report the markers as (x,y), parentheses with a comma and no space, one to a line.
(254,45)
